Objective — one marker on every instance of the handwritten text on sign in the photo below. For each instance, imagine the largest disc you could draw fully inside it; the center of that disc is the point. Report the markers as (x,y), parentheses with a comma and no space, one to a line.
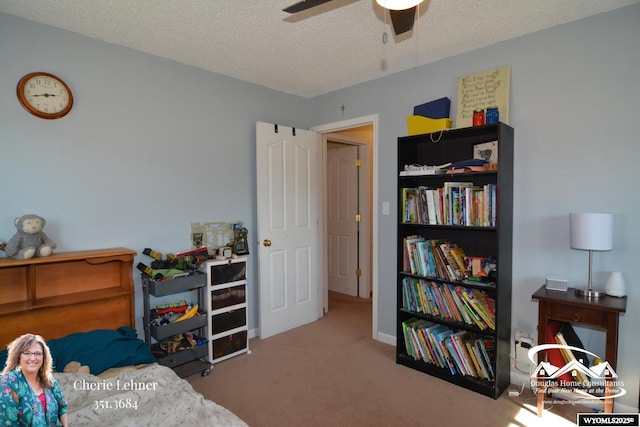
(482,90)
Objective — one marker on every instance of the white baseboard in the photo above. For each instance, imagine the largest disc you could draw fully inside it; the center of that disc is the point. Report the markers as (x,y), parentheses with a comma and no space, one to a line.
(386,338)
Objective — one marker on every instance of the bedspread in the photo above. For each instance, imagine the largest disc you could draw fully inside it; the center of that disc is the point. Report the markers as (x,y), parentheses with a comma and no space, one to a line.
(153,395)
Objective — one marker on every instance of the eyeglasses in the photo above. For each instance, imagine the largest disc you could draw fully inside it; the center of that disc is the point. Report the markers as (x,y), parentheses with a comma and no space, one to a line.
(32,353)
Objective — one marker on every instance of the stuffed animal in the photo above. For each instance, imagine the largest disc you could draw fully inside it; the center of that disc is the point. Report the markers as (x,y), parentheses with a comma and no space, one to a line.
(30,240)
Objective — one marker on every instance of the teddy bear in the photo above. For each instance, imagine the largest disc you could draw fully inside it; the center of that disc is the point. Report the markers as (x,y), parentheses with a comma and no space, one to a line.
(30,240)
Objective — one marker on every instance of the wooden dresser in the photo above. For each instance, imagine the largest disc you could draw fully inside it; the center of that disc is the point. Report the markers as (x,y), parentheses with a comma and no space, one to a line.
(66,292)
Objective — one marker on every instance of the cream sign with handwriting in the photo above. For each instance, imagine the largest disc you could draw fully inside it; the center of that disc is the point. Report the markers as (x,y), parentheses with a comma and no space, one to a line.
(482,90)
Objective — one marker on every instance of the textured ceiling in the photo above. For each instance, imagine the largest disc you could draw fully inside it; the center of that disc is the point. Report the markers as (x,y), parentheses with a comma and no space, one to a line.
(318,51)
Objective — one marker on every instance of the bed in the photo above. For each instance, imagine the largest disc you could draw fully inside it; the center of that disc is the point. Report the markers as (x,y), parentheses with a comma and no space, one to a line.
(129,387)
(125,386)
(151,395)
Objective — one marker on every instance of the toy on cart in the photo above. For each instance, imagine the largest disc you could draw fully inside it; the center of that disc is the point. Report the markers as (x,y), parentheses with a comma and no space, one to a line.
(173,266)
(183,341)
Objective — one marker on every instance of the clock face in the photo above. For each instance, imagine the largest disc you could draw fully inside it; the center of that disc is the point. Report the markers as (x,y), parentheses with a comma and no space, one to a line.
(45,95)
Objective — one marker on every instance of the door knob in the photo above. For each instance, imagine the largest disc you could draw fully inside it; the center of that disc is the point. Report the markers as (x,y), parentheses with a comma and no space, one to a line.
(266,242)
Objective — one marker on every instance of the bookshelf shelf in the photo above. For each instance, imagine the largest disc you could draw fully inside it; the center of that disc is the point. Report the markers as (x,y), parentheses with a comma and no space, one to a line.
(440,311)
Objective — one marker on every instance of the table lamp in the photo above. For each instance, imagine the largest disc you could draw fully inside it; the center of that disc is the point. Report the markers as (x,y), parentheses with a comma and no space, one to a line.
(591,232)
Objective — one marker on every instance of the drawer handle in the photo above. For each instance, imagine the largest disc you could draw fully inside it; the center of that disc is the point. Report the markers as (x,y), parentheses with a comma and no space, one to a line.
(576,317)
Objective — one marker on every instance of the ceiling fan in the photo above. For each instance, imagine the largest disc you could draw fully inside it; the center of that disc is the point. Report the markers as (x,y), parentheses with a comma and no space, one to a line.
(402,12)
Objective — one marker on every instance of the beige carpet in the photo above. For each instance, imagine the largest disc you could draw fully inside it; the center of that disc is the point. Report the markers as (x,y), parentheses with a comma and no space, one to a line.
(332,373)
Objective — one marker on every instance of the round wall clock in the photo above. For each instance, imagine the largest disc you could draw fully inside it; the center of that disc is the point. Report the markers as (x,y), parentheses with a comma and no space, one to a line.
(44,95)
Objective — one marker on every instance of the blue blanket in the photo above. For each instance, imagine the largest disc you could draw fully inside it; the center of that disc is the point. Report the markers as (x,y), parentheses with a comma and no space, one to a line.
(99,350)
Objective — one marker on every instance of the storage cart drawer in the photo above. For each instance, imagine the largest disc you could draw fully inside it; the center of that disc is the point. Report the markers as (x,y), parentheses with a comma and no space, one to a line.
(177,285)
(230,320)
(229,344)
(228,296)
(175,328)
(181,357)
(226,273)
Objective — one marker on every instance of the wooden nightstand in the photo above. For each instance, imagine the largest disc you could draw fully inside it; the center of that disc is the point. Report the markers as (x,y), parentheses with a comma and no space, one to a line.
(602,313)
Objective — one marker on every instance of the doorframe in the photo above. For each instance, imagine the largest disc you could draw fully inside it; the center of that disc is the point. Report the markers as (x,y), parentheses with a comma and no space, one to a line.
(333,128)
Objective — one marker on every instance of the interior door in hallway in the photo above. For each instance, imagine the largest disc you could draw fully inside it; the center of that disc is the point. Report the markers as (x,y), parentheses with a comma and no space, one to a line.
(342,226)
(288,202)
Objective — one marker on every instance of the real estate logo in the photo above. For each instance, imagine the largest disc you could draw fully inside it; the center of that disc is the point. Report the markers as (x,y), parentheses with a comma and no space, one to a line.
(599,381)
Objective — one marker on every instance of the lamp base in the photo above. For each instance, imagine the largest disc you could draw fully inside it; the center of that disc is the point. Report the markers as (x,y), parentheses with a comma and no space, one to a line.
(587,292)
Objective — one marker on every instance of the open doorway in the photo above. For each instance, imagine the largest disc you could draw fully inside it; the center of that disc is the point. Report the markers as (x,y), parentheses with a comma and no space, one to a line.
(361,133)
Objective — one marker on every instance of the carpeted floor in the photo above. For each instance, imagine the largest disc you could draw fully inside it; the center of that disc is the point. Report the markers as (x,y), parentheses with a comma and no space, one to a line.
(332,373)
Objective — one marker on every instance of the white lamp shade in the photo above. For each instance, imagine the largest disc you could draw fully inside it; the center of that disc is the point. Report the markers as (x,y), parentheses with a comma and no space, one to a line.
(591,231)
(398,4)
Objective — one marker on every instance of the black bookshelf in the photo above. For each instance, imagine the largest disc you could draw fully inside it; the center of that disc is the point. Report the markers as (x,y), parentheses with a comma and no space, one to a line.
(494,241)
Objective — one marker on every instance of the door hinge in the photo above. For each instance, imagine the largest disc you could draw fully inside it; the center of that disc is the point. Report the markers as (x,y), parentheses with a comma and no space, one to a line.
(358,272)
(358,162)
(358,217)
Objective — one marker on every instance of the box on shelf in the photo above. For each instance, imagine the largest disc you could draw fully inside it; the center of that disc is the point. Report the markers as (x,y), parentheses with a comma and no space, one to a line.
(418,125)
(437,109)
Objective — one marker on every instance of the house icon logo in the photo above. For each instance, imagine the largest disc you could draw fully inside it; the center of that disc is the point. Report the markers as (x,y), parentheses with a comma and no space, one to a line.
(598,382)
(601,371)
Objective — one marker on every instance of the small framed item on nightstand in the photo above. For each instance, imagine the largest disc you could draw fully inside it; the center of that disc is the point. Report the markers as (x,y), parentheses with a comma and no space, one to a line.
(554,283)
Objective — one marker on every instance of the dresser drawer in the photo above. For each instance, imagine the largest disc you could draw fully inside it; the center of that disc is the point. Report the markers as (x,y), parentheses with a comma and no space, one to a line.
(227,297)
(568,313)
(229,344)
(230,320)
(229,272)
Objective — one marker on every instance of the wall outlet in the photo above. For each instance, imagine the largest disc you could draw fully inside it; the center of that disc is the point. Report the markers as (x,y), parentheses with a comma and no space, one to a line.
(523,339)
(522,343)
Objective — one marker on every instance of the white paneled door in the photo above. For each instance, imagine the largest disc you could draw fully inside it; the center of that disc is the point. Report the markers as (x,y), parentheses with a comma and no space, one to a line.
(288,202)
(342,226)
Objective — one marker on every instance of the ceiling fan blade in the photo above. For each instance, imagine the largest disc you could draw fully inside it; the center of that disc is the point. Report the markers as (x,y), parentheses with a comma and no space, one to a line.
(304,5)
(402,20)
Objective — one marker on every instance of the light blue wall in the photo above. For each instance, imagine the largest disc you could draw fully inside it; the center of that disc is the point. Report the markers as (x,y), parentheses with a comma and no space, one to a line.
(149,147)
(575,107)
(152,145)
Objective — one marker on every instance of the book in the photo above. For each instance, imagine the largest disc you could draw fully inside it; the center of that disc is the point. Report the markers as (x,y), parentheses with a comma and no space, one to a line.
(418,170)
(464,169)
(473,297)
(452,265)
(463,353)
(409,261)
(569,358)
(459,256)
(431,206)
(449,202)
(554,355)
(573,340)
(487,349)
(440,335)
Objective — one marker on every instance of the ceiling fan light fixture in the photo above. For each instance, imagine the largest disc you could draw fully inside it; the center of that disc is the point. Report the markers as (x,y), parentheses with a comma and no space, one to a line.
(398,4)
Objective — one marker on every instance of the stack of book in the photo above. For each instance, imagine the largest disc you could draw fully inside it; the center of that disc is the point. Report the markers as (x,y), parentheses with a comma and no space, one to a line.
(462,352)
(456,203)
(439,258)
(563,333)
(466,305)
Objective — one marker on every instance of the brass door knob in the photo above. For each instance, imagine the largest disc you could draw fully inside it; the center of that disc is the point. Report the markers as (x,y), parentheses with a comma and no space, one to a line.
(266,242)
